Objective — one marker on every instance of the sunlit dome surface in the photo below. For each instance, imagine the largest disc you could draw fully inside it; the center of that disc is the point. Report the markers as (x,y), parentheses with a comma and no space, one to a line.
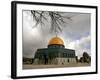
(56,40)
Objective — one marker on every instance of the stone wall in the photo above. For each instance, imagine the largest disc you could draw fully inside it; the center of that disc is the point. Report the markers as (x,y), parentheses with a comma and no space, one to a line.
(59,61)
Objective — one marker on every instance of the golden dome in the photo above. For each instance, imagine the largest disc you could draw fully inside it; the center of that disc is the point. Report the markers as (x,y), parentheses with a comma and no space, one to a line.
(56,40)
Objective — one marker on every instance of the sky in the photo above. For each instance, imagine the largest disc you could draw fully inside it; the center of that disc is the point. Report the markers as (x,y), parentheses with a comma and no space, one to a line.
(76,34)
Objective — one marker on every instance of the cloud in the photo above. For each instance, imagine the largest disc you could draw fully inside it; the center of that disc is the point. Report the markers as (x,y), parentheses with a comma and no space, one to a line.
(80,46)
(76,34)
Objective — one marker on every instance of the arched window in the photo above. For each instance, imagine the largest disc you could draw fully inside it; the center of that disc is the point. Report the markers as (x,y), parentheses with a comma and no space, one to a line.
(68,60)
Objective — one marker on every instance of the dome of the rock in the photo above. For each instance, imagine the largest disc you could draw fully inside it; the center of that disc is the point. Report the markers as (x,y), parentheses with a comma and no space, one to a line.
(55,54)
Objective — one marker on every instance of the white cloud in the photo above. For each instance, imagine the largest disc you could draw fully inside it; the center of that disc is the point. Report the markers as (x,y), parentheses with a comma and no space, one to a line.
(80,46)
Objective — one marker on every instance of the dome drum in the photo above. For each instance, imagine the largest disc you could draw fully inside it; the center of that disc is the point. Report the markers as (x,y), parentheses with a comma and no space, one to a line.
(56,46)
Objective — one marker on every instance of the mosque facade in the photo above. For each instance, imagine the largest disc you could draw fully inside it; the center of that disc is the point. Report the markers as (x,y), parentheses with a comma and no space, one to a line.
(55,53)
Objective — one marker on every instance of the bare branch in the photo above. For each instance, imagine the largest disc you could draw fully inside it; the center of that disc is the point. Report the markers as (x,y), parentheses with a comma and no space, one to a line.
(57,20)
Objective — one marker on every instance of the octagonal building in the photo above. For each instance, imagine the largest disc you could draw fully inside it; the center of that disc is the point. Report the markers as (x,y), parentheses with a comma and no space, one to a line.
(56,53)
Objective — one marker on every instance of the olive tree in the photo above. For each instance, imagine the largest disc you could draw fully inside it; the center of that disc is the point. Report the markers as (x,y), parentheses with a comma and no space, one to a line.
(85,58)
